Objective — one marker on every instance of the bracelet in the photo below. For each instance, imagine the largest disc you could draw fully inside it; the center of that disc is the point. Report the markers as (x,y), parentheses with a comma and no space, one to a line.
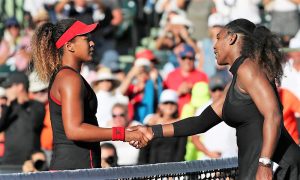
(157,131)
(266,162)
(118,134)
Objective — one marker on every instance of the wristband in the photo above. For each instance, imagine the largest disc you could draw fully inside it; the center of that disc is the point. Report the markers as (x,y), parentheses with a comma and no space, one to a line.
(157,131)
(265,162)
(118,134)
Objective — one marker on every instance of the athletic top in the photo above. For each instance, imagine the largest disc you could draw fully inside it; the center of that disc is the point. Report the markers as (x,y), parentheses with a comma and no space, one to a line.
(240,112)
(69,154)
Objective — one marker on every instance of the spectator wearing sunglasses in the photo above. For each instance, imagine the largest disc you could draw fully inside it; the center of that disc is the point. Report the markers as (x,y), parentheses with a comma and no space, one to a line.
(164,150)
(127,154)
(185,76)
(221,138)
(109,156)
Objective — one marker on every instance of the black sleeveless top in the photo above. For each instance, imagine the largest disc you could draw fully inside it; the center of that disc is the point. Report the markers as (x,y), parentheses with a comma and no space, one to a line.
(69,154)
(240,112)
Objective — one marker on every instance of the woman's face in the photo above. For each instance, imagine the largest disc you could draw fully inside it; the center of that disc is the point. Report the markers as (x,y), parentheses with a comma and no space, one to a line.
(104,85)
(221,47)
(83,47)
(168,108)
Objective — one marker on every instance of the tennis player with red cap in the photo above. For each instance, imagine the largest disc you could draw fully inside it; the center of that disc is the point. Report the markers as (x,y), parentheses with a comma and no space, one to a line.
(58,53)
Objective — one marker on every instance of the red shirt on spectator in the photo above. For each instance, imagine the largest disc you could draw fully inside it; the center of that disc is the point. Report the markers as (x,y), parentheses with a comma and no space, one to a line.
(175,78)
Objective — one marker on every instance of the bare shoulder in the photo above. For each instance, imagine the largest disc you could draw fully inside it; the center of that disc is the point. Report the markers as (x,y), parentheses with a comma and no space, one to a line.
(248,68)
(68,78)
(250,73)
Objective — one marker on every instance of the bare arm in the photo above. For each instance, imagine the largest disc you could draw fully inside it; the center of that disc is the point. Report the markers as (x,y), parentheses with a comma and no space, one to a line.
(253,81)
(117,17)
(135,70)
(201,147)
(71,97)
(59,7)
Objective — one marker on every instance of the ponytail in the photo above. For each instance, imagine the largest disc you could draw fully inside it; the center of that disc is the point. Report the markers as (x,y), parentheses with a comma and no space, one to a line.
(267,52)
(45,56)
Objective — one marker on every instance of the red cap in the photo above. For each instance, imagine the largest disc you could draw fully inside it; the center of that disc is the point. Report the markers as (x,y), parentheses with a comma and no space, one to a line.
(78,28)
(147,54)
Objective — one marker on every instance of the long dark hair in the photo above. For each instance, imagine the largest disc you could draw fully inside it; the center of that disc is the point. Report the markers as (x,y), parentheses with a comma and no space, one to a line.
(45,56)
(260,44)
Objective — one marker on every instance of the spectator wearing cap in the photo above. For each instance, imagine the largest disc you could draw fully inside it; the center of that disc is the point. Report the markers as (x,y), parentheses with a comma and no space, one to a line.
(21,120)
(140,89)
(215,23)
(38,90)
(220,140)
(105,86)
(164,150)
(14,48)
(174,34)
(154,72)
(176,31)
(199,98)
(10,40)
(185,76)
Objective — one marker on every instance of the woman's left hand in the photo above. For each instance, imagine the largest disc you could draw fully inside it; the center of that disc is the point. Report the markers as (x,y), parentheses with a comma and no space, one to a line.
(264,173)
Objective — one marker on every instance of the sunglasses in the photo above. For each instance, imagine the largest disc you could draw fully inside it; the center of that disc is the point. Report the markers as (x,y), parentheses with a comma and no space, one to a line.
(187,57)
(168,102)
(217,89)
(118,115)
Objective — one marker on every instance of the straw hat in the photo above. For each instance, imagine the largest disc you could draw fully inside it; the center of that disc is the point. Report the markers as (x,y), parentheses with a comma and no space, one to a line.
(101,76)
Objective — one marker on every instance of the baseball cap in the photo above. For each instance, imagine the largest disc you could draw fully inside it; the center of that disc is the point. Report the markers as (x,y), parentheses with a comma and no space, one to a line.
(217,19)
(180,20)
(187,50)
(36,84)
(15,78)
(78,28)
(147,54)
(142,62)
(12,21)
(216,81)
(168,95)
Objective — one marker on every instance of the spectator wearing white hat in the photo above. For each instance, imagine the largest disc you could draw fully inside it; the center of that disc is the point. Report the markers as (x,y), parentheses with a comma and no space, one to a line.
(38,90)
(105,86)
(164,150)
(215,22)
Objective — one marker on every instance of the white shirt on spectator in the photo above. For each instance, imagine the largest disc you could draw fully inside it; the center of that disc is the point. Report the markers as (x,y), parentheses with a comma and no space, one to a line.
(220,138)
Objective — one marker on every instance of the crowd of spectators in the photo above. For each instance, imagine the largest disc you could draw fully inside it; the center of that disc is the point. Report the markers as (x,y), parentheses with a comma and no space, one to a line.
(153,63)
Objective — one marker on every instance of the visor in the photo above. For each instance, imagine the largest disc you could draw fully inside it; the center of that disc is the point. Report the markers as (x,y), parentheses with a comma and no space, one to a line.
(78,28)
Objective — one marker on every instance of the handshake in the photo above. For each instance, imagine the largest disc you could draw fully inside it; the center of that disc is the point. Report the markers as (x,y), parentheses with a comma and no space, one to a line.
(138,136)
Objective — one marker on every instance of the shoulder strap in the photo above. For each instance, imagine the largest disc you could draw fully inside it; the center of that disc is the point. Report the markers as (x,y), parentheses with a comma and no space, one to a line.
(55,72)
(235,66)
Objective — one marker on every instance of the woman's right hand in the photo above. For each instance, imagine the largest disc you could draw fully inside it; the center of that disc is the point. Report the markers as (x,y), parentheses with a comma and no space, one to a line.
(146,132)
(136,137)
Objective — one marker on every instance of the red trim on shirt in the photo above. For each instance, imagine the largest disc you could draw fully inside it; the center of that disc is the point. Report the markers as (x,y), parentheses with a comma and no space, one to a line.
(55,100)
(91,159)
